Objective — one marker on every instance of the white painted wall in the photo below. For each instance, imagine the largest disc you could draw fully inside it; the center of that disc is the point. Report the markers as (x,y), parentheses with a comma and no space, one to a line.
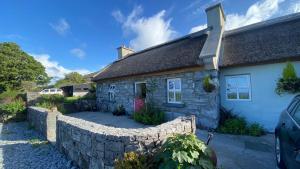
(265,105)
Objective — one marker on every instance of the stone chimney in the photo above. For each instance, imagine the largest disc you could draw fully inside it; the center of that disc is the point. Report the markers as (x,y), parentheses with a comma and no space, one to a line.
(123,52)
(215,24)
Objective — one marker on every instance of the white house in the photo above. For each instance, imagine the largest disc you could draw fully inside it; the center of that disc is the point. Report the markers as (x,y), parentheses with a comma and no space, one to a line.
(252,61)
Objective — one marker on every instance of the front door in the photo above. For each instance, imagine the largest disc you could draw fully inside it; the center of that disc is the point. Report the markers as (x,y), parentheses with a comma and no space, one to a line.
(140,95)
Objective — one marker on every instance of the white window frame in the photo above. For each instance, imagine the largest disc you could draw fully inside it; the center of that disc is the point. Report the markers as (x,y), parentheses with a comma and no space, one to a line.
(174,90)
(112,92)
(227,77)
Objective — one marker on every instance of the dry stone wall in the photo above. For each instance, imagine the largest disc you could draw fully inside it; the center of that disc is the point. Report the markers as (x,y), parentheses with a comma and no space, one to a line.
(96,146)
(44,121)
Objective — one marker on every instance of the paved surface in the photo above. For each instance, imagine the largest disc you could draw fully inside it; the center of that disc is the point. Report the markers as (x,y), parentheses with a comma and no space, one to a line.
(108,119)
(19,149)
(242,152)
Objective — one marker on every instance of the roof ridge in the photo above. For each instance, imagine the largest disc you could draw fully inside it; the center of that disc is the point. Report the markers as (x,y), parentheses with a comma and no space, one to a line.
(195,34)
(263,24)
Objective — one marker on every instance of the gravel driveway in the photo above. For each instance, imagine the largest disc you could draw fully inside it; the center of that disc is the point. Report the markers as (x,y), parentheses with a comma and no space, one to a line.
(21,147)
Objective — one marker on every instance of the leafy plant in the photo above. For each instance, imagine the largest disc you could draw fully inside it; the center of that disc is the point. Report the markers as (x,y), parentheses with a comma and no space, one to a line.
(289,82)
(185,151)
(13,111)
(119,111)
(35,142)
(233,124)
(289,72)
(149,114)
(256,129)
(208,85)
(132,160)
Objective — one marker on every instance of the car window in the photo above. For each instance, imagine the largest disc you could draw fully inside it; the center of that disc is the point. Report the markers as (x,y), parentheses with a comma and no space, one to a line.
(292,105)
(52,90)
(296,114)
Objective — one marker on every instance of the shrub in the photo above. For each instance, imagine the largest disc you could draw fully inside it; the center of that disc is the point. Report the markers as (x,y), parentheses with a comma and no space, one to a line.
(13,111)
(185,151)
(208,86)
(119,111)
(9,96)
(132,160)
(256,129)
(289,82)
(289,72)
(234,126)
(149,115)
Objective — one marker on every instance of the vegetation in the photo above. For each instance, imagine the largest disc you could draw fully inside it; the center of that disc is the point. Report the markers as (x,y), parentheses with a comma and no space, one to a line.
(13,111)
(70,79)
(17,66)
(208,85)
(289,82)
(35,142)
(178,152)
(233,124)
(133,160)
(119,111)
(186,151)
(150,115)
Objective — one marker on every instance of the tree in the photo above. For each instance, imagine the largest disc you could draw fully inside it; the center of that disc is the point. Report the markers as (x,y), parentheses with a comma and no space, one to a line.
(70,79)
(17,66)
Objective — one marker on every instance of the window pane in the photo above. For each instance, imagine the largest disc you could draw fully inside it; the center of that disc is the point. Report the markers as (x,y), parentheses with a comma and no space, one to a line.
(171,85)
(177,84)
(231,94)
(242,81)
(297,115)
(230,82)
(244,94)
(178,96)
(171,97)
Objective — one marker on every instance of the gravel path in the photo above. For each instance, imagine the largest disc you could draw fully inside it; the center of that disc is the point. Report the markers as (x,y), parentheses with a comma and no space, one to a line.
(22,147)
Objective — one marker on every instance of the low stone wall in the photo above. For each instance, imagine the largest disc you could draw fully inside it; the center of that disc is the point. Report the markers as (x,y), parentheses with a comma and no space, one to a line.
(93,146)
(44,121)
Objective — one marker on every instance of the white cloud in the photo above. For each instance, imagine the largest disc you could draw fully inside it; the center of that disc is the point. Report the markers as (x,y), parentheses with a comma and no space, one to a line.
(78,53)
(61,26)
(53,68)
(259,11)
(198,28)
(147,31)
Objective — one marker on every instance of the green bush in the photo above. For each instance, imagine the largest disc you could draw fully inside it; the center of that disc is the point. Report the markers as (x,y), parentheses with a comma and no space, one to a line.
(149,115)
(256,129)
(119,111)
(289,82)
(185,152)
(289,72)
(234,126)
(12,111)
(9,96)
(208,86)
(132,160)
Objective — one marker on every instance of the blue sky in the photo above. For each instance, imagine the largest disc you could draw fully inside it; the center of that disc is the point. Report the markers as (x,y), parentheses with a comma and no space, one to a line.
(77,35)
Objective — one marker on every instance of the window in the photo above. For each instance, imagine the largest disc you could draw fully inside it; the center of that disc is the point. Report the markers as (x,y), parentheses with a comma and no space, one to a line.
(292,106)
(296,115)
(238,87)
(111,92)
(174,90)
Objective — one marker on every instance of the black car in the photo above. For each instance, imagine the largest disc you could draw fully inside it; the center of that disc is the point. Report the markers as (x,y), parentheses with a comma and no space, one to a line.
(287,137)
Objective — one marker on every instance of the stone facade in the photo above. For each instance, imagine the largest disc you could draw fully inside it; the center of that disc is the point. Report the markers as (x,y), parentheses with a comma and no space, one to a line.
(96,146)
(44,121)
(195,101)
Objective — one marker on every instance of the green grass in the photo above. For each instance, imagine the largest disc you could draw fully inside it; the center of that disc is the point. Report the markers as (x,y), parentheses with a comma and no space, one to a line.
(35,142)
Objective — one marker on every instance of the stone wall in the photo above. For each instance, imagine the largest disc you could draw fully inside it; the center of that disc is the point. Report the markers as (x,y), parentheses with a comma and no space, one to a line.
(32,98)
(96,146)
(44,121)
(205,106)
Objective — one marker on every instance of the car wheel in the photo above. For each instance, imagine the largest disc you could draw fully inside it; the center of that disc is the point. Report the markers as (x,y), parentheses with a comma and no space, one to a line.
(278,154)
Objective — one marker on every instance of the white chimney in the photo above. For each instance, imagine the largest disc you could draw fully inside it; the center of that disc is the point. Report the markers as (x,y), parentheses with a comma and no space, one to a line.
(123,52)
(215,24)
